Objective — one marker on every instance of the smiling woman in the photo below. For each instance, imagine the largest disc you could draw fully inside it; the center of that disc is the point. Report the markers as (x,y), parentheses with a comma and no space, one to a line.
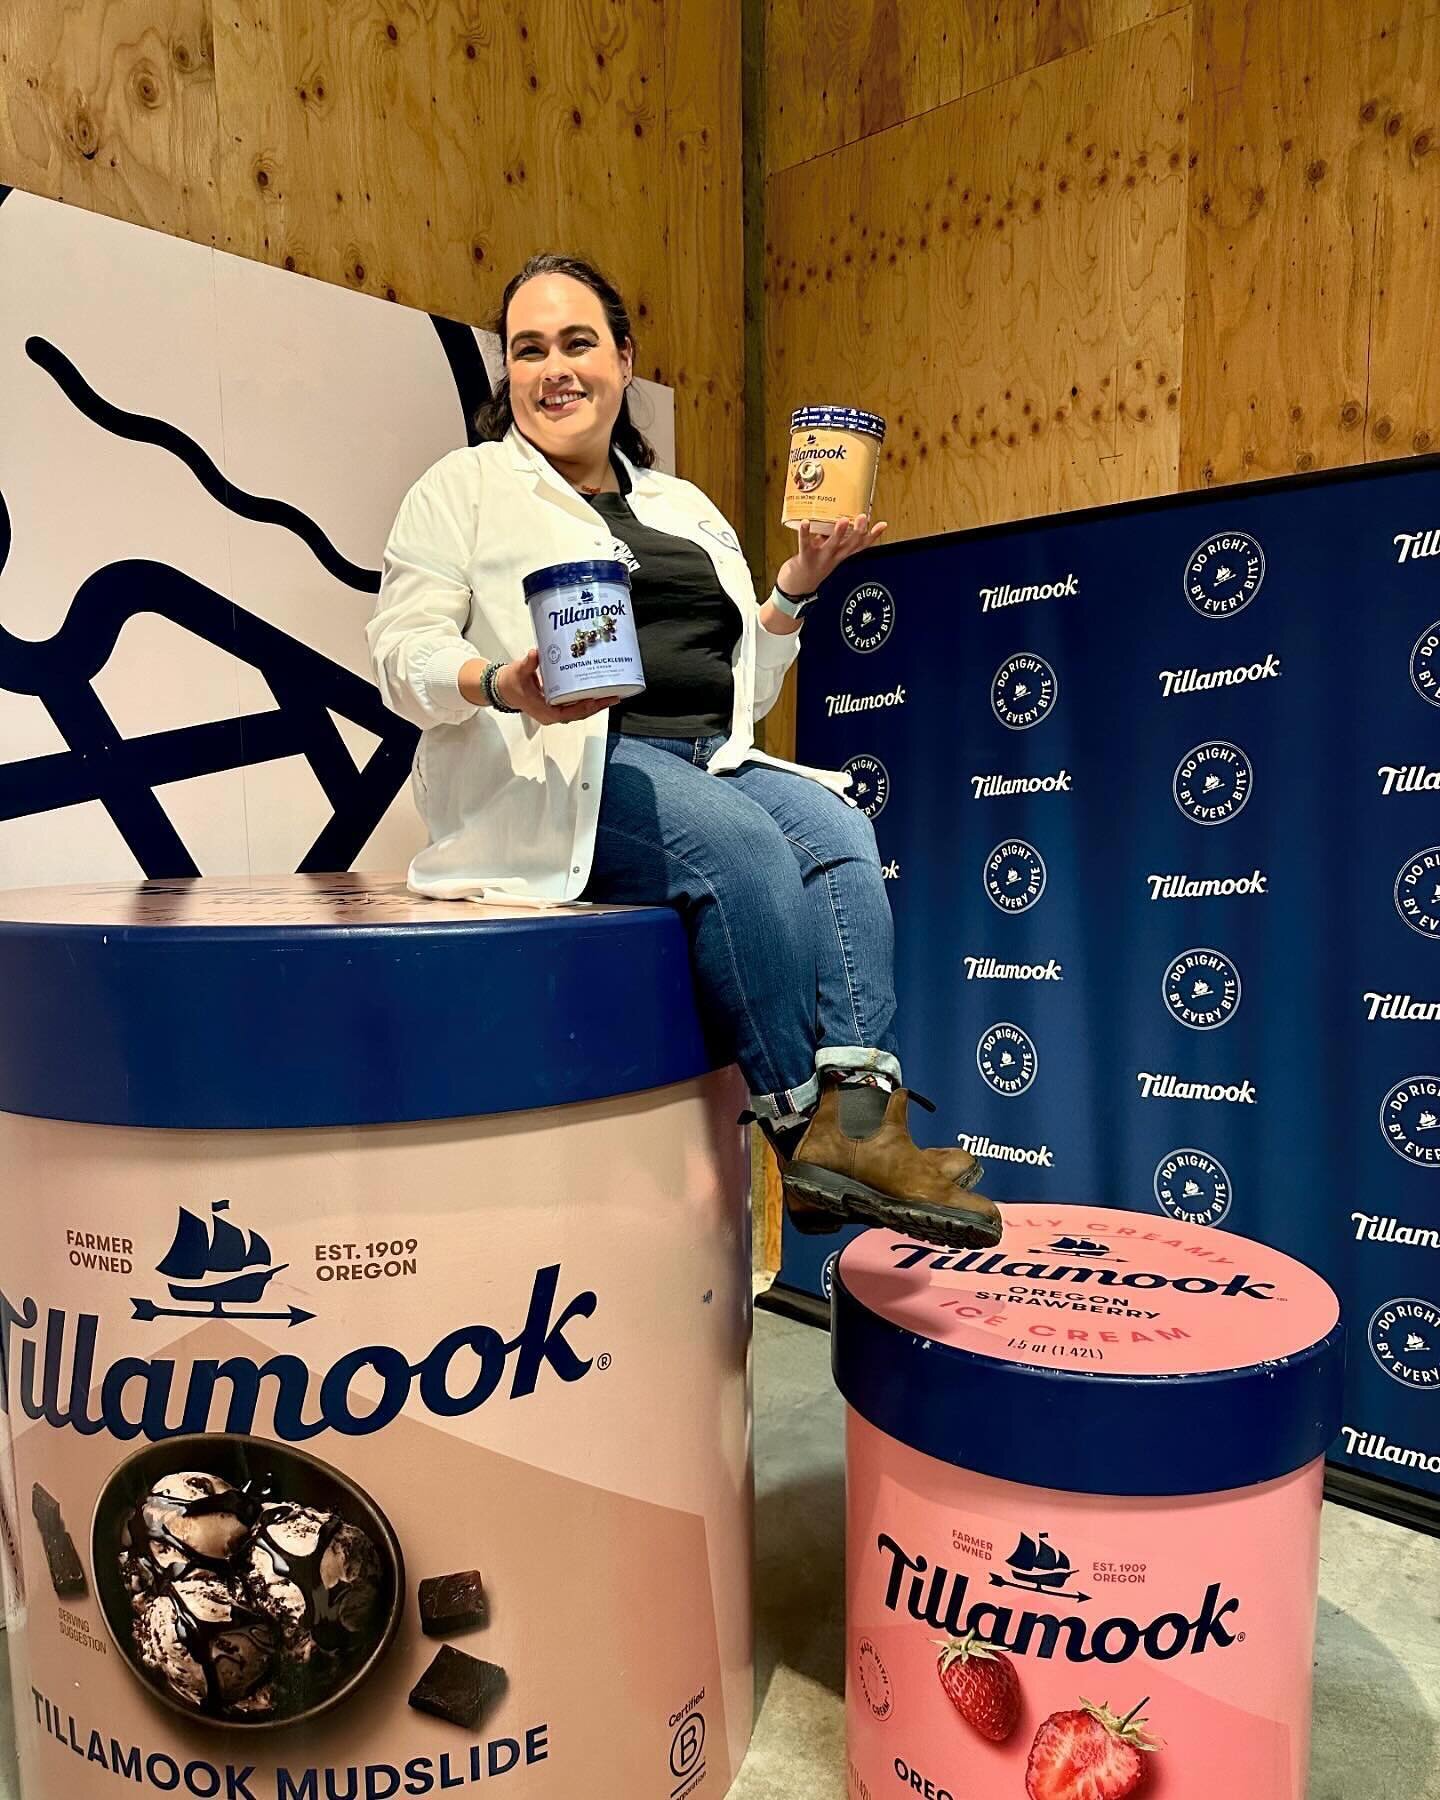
(775,874)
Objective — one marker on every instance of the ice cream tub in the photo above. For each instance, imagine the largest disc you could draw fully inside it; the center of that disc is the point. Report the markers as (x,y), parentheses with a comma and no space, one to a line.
(585,628)
(1084,1480)
(351,1447)
(834,459)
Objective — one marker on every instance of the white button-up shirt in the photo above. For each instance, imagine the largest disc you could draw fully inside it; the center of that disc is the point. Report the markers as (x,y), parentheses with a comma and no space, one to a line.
(511,805)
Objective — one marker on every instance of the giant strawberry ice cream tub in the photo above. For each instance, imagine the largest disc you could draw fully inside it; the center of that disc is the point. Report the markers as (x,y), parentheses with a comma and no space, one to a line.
(1084,1491)
(374,1332)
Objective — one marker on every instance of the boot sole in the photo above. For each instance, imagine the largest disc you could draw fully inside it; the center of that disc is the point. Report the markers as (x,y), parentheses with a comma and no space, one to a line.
(853,1203)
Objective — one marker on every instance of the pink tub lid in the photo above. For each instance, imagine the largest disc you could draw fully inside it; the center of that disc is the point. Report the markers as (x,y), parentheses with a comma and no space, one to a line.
(1094,1349)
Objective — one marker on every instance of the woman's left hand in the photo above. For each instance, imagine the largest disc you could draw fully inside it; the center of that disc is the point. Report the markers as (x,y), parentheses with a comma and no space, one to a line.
(818,554)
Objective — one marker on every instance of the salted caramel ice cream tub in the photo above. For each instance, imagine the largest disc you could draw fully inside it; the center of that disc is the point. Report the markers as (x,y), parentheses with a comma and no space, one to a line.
(833,461)
(1084,1483)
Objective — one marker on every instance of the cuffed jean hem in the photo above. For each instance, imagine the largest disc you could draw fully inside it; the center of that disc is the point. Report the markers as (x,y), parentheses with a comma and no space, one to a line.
(852,1057)
(786,1103)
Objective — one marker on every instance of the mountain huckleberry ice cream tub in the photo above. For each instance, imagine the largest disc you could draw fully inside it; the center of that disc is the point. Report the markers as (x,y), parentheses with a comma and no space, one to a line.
(834,459)
(1084,1481)
(585,628)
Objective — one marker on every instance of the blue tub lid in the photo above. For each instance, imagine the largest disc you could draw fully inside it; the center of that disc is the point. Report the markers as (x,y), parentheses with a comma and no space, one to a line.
(837,418)
(1093,1351)
(574,574)
(330,1000)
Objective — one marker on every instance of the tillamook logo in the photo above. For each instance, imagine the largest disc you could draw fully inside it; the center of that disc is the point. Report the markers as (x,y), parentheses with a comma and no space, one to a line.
(1014,876)
(1224,574)
(1171,1087)
(139,1398)
(989,1151)
(1425,664)
(1006,1059)
(1400,1006)
(1376,1228)
(891,870)
(1023,692)
(996,1262)
(995,597)
(1410,546)
(1189,887)
(869,784)
(1410,1120)
(1192,1187)
(992,787)
(1202,989)
(836,704)
(1213,782)
(868,617)
(1405,1340)
(940,1599)
(1408,778)
(1195,681)
(988,968)
(1375,1447)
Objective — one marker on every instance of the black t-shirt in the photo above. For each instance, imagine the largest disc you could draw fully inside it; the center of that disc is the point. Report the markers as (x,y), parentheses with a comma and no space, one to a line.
(688,628)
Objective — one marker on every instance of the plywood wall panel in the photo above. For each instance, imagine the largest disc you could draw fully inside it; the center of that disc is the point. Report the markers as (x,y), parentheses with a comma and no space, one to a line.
(704,249)
(419,150)
(110,104)
(842,73)
(988,278)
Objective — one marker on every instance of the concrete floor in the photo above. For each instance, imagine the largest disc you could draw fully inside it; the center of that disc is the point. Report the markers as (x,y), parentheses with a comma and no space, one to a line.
(1377,1687)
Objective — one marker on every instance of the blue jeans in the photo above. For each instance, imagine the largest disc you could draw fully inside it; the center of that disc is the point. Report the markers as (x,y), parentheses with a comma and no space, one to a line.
(779,884)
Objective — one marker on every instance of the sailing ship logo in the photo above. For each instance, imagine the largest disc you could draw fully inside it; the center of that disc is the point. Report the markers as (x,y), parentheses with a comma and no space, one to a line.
(1077,1246)
(241,1263)
(1037,1567)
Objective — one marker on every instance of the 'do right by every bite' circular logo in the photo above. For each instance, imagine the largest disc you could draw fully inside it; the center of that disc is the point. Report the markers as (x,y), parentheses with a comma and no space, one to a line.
(1410,1120)
(1024,691)
(1213,782)
(1425,664)
(867,617)
(869,784)
(1224,574)
(1014,876)
(1007,1059)
(1191,1187)
(1417,893)
(1404,1338)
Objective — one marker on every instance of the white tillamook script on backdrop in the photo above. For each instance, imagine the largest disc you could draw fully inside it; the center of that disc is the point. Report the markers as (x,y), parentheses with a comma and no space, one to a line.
(200,458)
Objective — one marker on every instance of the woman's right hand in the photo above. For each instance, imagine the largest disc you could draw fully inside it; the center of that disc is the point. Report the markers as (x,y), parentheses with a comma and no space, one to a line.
(519,685)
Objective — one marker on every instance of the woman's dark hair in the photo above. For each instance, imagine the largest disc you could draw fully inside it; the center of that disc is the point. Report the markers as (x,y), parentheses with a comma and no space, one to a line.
(495,416)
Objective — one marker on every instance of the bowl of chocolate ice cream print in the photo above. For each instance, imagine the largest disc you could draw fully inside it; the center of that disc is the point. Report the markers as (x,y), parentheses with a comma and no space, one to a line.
(246,1584)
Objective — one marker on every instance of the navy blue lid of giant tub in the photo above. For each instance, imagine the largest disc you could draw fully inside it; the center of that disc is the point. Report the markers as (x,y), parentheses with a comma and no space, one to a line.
(330,1000)
(1093,1351)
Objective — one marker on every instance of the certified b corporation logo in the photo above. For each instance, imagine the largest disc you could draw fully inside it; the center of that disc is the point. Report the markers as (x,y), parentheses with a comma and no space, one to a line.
(1425,664)
(1224,574)
(1024,691)
(1202,989)
(1006,1059)
(1213,782)
(1417,893)
(869,784)
(1405,1340)
(1014,876)
(1192,1187)
(868,617)
(1410,1120)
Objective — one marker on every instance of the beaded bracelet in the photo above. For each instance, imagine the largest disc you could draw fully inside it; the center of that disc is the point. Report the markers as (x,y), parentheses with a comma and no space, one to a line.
(492,691)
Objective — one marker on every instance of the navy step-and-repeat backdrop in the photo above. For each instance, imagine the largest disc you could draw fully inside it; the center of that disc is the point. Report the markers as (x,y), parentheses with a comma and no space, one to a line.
(1157,789)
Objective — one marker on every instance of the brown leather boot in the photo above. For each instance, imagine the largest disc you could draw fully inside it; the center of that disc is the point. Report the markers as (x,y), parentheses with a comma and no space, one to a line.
(858,1163)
